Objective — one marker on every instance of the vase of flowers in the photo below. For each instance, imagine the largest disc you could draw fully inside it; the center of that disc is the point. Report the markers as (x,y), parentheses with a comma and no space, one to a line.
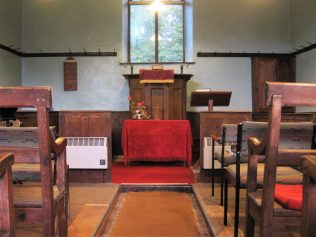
(138,109)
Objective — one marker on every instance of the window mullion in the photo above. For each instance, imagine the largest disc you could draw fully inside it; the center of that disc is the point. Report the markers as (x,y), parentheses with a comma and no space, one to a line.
(156,36)
(129,34)
(183,33)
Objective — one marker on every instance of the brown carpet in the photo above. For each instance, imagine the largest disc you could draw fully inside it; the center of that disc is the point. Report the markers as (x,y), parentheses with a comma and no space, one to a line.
(156,214)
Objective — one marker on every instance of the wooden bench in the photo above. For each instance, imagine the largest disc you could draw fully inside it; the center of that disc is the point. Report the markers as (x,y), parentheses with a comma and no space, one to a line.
(39,202)
(293,136)
(309,195)
(6,204)
(261,205)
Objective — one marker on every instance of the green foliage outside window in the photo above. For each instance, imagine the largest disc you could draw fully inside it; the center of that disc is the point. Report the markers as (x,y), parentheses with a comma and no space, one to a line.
(142,34)
(142,28)
(170,27)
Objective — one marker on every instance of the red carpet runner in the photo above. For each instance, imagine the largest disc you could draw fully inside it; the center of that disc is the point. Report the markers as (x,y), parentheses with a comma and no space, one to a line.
(151,174)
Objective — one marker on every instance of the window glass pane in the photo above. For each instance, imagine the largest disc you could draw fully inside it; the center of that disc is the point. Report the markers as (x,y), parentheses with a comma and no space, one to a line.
(170,31)
(142,34)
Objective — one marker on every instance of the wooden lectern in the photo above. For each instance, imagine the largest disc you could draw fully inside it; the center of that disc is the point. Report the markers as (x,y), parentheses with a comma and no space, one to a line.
(210,98)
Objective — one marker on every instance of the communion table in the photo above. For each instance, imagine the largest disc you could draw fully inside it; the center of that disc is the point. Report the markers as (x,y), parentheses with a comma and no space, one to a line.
(157,140)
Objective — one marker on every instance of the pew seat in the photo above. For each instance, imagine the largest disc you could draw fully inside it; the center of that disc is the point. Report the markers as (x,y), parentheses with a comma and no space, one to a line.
(285,175)
(44,201)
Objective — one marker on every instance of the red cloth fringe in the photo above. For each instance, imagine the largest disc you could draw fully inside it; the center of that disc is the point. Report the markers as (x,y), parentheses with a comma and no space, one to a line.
(151,174)
(156,74)
(157,140)
(289,196)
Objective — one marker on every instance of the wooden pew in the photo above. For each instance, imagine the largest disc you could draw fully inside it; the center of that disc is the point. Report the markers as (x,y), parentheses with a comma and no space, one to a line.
(309,195)
(39,202)
(6,204)
(293,136)
(261,205)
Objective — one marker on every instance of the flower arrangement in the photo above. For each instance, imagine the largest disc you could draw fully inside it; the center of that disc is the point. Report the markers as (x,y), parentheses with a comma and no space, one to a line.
(138,109)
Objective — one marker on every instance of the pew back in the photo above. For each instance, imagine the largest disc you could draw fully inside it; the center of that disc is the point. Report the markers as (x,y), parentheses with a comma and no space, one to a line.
(23,141)
(293,135)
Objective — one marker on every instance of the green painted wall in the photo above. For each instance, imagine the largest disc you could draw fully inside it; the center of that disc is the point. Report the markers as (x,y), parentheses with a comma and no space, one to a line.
(303,32)
(226,25)
(236,26)
(58,25)
(10,34)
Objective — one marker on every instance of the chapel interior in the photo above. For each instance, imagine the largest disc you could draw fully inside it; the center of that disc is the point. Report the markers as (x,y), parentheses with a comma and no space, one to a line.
(158,118)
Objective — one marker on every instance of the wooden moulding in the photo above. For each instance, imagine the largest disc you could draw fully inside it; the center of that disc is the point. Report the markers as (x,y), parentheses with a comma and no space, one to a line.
(70,74)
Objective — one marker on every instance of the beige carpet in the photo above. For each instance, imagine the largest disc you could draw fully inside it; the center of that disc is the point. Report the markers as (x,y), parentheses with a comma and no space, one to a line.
(156,214)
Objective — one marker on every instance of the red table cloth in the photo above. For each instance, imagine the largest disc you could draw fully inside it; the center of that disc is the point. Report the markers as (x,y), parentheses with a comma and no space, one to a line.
(157,140)
(156,76)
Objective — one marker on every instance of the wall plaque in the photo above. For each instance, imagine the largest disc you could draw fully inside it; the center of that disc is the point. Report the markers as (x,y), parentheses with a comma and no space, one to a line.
(70,74)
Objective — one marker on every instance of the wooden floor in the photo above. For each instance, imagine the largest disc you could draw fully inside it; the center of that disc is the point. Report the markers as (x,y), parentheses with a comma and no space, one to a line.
(88,203)
(215,212)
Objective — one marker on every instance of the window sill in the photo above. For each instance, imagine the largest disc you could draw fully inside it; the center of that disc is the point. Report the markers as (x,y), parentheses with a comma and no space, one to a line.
(153,63)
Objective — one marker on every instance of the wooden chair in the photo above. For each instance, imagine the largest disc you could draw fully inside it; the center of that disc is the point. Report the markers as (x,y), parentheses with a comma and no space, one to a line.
(6,205)
(39,202)
(261,206)
(292,136)
(309,195)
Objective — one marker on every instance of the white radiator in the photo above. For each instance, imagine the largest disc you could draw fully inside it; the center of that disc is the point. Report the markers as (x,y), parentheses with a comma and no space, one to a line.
(87,152)
(207,154)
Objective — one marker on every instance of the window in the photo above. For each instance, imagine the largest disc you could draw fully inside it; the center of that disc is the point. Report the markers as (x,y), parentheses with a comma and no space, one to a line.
(156,36)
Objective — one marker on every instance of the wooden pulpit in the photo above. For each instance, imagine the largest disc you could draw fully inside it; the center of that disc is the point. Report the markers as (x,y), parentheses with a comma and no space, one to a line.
(165,101)
(210,98)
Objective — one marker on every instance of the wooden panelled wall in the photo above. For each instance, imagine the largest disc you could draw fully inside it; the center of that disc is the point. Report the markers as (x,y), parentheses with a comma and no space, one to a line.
(117,118)
(202,124)
(88,124)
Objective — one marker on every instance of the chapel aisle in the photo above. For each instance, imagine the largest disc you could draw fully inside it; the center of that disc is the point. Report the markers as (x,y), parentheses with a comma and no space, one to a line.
(89,203)
(156,214)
